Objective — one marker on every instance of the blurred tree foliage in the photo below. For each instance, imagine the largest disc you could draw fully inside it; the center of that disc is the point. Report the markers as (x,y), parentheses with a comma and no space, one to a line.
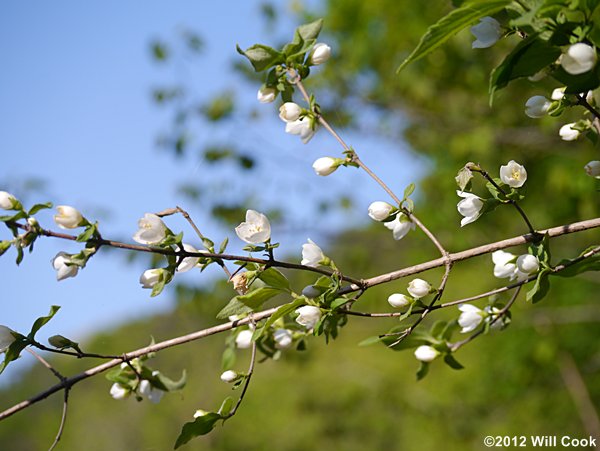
(341,396)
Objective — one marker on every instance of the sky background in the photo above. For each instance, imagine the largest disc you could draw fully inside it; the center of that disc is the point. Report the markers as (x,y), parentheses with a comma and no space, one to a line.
(76,114)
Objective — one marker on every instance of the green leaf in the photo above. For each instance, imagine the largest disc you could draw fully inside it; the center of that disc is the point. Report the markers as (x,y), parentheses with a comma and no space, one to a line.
(201,426)
(37,325)
(576,84)
(61,342)
(4,246)
(88,233)
(261,56)
(37,207)
(274,278)
(14,350)
(540,288)
(451,24)
(589,264)
(409,190)
(164,383)
(526,59)
(463,178)
(228,358)
(423,370)
(233,307)
(310,30)
(256,298)
(452,362)
(226,406)
(223,245)
(279,313)
(370,341)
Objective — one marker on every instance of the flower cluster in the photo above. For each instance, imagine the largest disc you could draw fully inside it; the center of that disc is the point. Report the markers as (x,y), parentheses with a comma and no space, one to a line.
(395,220)
(507,265)
(417,288)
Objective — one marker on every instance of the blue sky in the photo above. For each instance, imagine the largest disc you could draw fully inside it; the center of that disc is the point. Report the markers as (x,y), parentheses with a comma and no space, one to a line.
(76,112)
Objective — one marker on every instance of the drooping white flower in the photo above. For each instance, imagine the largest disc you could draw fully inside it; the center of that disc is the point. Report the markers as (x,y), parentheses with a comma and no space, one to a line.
(593,169)
(426,353)
(399,300)
(229,376)
(308,316)
(487,32)
(418,288)
(243,340)
(151,230)
(63,266)
(528,264)
(513,174)
(68,217)
(266,95)
(578,59)
(470,317)
(188,262)
(319,54)
(537,106)
(400,226)
(568,133)
(150,277)
(117,391)
(6,338)
(311,292)
(558,93)
(470,207)
(305,127)
(289,112)
(283,338)
(153,394)
(325,165)
(504,265)
(7,201)
(312,255)
(380,211)
(256,229)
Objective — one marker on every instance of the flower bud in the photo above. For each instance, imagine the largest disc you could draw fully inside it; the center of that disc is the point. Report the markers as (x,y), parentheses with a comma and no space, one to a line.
(150,277)
(188,262)
(578,59)
(117,391)
(325,166)
(558,93)
(6,338)
(8,201)
(537,106)
(63,266)
(380,211)
(513,174)
(311,292)
(418,288)
(426,353)
(229,376)
(528,264)
(568,133)
(470,207)
(398,300)
(319,54)
(312,255)
(283,338)
(266,95)
(593,169)
(305,127)
(289,112)
(487,32)
(243,339)
(470,317)
(400,226)
(68,217)
(240,282)
(308,316)
(153,394)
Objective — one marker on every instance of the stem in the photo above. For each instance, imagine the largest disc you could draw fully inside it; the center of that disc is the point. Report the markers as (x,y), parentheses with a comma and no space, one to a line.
(584,103)
(246,382)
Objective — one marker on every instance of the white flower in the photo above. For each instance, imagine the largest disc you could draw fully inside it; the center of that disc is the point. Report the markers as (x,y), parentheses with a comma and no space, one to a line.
(578,59)
(289,112)
(487,32)
(311,292)
(6,338)
(67,217)
(119,392)
(568,133)
(266,95)
(7,201)
(243,340)
(283,338)
(63,266)
(537,106)
(558,93)
(256,229)
(150,277)
(380,211)
(188,262)
(528,264)
(305,127)
(418,288)
(513,174)
(593,169)
(151,230)
(470,207)
(426,353)
(153,394)
(312,255)
(400,226)
(504,265)
(308,316)
(319,54)
(470,317)
(229,376)
(398,300)
(325,165)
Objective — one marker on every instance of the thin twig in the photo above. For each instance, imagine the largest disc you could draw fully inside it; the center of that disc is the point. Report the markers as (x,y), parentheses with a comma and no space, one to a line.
(246,382)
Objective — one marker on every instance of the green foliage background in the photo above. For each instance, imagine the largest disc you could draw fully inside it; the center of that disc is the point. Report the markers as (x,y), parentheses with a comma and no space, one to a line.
(344,397)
